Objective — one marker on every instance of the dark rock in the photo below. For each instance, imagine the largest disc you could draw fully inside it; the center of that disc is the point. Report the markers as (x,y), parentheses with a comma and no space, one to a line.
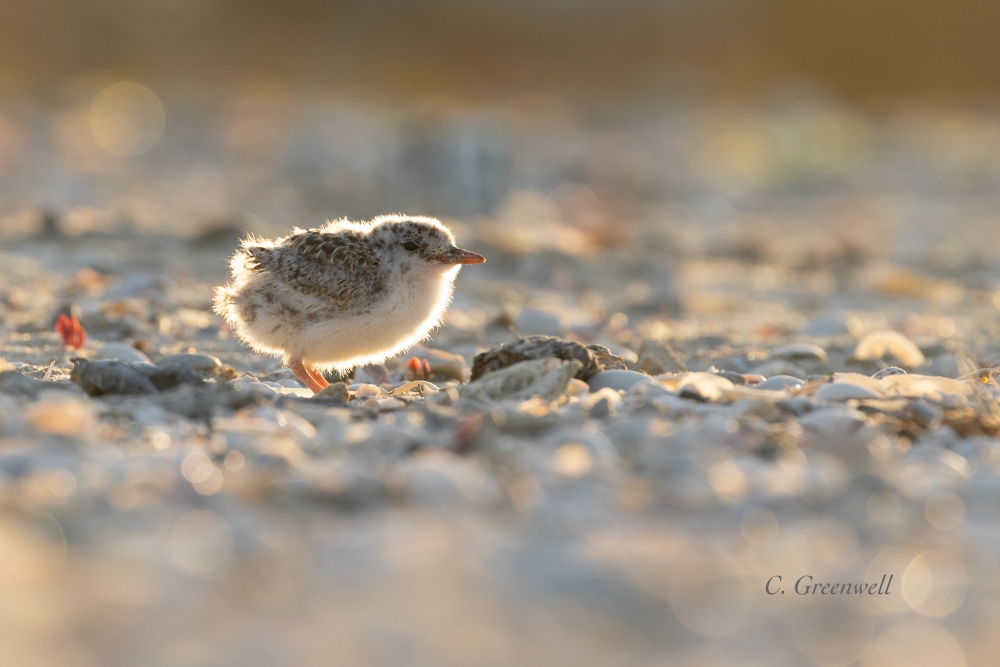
(595,358)
(110,377)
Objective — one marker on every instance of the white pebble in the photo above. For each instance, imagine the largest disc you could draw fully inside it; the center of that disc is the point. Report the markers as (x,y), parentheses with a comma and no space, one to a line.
(844,391)
(878,345)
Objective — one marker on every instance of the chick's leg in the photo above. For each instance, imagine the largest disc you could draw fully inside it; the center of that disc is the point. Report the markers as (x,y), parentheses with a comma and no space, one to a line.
(309,376)
(317,378)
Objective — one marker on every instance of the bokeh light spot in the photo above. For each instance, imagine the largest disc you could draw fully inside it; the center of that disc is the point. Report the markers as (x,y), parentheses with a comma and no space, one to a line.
(127,119)
(915,644)
(572,460)
(201,541)
(935,583)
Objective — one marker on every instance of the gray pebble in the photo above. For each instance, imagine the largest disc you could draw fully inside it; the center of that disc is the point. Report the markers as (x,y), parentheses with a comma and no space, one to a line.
(194,361)
(797,405)
(122,352)
(105,377)
(889,370)
(617,379)
(844,391)
(780,382)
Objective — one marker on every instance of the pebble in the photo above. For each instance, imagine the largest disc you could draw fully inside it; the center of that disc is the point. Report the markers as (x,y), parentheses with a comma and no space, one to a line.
(105,377)
(709,387)
(656,358)
(876,385)
(205,364)
(889,370)
(844,391)
(927,386)
(336,391)
(735,378)
(121,352)
(619,380)
(891,345)
(780,382)
(797,405)
(592,358)
(547,378)
(779,367)
(800,351)
(833,420)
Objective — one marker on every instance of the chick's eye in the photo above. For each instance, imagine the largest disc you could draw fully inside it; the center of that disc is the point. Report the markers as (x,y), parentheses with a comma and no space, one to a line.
(410,245)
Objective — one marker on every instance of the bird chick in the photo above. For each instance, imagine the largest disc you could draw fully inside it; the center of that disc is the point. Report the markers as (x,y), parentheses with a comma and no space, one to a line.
(343,295)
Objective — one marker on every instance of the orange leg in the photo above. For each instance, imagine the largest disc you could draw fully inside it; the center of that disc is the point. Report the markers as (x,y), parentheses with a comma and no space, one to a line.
(309,375)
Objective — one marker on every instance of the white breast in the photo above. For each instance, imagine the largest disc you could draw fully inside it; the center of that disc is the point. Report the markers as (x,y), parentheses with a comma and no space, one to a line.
(405,317)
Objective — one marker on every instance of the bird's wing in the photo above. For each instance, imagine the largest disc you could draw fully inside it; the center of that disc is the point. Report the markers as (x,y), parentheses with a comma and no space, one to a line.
(339,267)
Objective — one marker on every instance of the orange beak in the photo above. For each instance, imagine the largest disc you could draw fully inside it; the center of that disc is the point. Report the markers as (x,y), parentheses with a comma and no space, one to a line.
(459,256)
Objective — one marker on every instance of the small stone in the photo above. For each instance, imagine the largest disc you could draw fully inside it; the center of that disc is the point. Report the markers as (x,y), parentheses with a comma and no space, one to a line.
(109,377)
(889,370)
(205,364)
(879,345)
(619,380)
(592,358)
(932,387)
(122,352)
(708,387)
(369,391)
(797,405)
(656,358)
(844,391)
(336,391)
(5,365)
(780,382)
(547,378)
(735,378)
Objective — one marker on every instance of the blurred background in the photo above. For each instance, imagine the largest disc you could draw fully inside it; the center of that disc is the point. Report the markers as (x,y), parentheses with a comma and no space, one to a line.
(195,114)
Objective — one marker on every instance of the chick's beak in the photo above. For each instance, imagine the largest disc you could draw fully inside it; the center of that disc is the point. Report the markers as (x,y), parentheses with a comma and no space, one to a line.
(459,256)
